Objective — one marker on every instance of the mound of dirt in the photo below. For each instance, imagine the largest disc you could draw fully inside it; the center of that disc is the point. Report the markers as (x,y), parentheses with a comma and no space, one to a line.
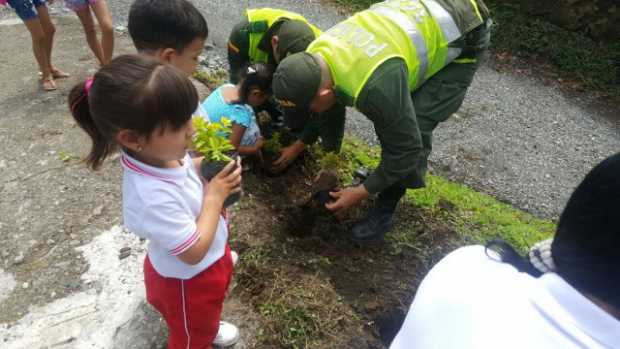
(311,285)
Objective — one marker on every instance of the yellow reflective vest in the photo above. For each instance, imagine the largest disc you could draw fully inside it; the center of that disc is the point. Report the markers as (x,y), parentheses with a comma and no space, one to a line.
(418,31)
(260,21)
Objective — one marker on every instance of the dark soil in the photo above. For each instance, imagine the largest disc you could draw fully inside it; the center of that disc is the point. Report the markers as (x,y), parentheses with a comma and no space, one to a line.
(288,248)
(268,158)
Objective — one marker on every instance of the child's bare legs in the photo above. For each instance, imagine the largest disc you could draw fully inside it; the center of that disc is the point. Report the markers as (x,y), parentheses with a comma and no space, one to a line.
(91,33)
(39,49)
(100,8)
(49,30)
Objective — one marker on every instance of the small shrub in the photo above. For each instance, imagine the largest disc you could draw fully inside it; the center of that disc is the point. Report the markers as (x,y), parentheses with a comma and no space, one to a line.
(273,144)
(211,139)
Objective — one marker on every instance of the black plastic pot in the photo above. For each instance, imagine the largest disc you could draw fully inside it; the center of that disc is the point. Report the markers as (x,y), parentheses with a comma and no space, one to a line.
(327,182)
(210,169)
(268,158)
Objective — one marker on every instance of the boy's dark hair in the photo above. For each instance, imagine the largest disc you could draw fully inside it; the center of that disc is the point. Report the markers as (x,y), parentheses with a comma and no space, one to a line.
(587,239)
(156,24)
(255,76)
(133,92)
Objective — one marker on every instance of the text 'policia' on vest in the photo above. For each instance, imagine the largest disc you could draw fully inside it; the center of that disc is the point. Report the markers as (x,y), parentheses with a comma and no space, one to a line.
(260,21)
(425,33)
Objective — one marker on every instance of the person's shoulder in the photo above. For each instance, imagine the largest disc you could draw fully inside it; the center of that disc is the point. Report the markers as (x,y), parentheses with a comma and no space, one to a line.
(470,267)
(242,109)
(214,102)
(476,257)
(215,94)
(241,113)
(143,190)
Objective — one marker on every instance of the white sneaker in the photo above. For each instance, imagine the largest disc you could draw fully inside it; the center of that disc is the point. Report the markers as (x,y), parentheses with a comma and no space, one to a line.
(227,335)
(235,257)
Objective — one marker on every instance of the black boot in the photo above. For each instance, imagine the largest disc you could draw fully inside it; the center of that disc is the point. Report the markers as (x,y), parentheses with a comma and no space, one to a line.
(373,227)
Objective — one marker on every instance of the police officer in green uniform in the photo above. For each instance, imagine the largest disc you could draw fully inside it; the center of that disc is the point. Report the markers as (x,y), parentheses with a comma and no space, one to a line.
(404,64)
(267,35)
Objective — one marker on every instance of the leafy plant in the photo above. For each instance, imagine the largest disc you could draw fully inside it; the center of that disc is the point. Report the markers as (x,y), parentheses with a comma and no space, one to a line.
(330,161)
(273,144)
(212,78)
(211,139)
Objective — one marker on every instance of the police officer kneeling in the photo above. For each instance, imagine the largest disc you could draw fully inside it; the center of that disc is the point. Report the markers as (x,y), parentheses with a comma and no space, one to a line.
(404,64)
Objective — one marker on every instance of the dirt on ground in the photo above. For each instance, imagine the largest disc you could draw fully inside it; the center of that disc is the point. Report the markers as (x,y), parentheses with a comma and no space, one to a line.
(309,281)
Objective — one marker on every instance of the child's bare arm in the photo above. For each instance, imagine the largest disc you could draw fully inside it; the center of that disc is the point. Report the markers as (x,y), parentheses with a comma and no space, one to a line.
(235,139)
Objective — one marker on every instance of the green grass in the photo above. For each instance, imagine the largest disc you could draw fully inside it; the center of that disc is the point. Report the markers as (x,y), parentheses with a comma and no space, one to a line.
(212,79)
(296,323)
(476,216)
(575,55)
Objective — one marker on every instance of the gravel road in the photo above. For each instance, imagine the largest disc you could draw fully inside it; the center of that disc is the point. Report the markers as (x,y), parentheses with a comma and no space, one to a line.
(517,137)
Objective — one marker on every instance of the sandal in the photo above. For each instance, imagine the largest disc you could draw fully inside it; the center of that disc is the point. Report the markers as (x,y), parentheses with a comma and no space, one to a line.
(48,84)
(58,74)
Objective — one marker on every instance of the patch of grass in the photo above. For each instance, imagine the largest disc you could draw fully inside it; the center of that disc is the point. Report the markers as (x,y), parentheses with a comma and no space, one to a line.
(575,55)
(356,5)
(298,309)
(212,79)
(296,324)
(348,160)
(476,216)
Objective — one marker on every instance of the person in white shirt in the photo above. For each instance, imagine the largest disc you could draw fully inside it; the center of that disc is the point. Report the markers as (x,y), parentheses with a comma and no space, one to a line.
(565,294)
(144,107)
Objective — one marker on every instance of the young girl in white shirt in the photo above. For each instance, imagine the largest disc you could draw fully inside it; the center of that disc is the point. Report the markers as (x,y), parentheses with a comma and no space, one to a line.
(144,108)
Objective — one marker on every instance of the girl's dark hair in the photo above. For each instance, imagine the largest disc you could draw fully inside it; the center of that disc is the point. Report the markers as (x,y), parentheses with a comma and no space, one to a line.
(254,76)
(586,246)
(133,92)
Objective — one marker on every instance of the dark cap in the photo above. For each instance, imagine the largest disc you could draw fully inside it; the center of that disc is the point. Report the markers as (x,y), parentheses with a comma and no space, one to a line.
(293,36)
(295,83)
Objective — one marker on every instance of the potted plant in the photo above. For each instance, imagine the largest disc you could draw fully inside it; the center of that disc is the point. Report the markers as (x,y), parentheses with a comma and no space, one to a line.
(211,141)
(304,215)
(327,179)
(271,152)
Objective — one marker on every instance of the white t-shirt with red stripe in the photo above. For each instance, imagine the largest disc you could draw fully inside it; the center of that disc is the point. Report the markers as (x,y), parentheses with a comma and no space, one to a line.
(162,205)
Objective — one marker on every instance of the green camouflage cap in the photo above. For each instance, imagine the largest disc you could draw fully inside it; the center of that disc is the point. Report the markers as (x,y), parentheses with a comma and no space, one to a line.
(294,36)
(295,84)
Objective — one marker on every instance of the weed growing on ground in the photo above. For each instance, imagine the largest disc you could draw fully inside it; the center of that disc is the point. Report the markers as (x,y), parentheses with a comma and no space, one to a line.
(212,79)
(273,144)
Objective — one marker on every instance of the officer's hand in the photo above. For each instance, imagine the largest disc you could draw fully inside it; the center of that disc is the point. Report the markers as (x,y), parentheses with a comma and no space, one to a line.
(346,198)
(288,155)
